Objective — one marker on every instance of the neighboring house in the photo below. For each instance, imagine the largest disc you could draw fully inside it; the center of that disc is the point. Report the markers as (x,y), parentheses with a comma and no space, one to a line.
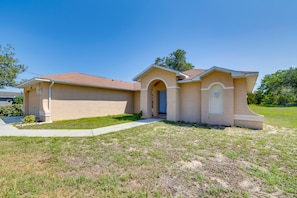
(214,96)
(7,97)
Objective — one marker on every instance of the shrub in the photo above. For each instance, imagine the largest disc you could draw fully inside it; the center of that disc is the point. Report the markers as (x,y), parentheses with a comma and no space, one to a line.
(11,110)
(29,119)
(18,99)
(139,115)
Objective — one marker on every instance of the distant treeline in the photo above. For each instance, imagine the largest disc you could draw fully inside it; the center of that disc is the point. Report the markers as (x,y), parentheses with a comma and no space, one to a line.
(277,89)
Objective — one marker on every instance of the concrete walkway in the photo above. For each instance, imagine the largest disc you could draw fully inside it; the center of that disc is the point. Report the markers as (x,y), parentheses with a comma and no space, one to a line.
(6,129)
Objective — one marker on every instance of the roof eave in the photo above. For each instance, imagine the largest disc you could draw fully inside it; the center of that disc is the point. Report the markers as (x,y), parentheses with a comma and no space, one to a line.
(138,77)
(251,82)
(37,80)
(32,82)
(91,85)
(188,81)
(234,74)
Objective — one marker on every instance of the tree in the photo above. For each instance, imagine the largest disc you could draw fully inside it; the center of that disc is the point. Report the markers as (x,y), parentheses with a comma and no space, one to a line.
(279,88)
(291,78)
(9,67)
(176,61)
(255,97)
(18,99)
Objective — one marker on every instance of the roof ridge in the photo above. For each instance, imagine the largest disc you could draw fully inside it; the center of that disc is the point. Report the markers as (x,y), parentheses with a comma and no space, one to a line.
(90,75)
(77,78)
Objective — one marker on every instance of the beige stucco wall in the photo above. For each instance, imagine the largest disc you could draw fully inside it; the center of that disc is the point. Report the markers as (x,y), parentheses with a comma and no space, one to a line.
(44,112)
(136,101)
(240,97)
(190,102)
(226,81)
(173,113)
(249,124)
(71,102)
(243,116)
(36,101)
(217,76)
(226,118)
(167,77)
(31,101)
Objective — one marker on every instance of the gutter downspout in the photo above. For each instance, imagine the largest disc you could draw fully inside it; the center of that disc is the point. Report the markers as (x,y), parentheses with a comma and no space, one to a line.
(50,99)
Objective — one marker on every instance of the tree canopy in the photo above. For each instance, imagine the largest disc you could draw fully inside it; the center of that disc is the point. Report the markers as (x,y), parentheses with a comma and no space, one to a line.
(176,61)
(279,88)
(9,67)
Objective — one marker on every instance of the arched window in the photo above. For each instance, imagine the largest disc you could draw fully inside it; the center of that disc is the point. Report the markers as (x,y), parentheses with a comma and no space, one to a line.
(216,99)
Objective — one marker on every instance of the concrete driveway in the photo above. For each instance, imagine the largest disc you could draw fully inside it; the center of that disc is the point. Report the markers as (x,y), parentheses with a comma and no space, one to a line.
(11,120)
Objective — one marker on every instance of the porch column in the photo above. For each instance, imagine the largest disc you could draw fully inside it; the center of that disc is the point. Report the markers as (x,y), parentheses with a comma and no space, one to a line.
(155,102)
(173,103)
(26,102)
(145,104)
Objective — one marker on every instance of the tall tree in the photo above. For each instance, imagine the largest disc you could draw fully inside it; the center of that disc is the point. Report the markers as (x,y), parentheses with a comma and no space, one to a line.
(279,88)
(176,61)
(291,78)
(9,67)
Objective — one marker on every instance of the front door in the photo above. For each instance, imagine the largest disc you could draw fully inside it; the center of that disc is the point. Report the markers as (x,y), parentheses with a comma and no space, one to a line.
(162,100)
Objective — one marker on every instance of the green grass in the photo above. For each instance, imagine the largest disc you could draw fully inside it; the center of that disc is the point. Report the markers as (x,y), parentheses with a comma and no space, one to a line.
(278,116)
(163,159)
(85,123)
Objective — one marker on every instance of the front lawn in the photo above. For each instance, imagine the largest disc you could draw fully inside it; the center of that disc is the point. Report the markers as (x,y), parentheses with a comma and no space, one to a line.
(85,123)
(278,116)
(163,159)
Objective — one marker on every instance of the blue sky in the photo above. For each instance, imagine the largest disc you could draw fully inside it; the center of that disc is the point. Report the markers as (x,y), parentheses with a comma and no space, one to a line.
(120,38)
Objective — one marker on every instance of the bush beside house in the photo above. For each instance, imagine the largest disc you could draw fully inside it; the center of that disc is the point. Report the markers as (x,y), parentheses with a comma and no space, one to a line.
(11,110)
(29,119)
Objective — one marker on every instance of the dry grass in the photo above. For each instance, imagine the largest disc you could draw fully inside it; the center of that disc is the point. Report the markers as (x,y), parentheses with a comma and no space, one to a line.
(158,160)
(161,159)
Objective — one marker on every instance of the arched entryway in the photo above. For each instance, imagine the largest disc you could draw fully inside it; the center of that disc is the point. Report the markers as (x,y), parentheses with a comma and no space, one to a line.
(157,97)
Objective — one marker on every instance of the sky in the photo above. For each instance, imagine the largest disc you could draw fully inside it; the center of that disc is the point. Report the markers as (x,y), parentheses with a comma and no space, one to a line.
(118,39)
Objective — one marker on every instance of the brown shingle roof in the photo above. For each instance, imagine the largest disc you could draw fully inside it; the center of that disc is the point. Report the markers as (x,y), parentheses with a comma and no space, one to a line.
(89,80)
(193,72)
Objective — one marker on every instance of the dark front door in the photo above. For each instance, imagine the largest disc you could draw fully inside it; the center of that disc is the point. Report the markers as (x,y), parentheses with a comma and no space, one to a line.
(162,97)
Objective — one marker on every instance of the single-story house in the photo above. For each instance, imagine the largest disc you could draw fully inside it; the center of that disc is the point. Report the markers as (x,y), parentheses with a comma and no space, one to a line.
(213,96)
(7,97)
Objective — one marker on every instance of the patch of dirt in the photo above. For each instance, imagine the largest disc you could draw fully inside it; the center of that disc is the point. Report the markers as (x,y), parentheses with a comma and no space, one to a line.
(220,158)
(131,149)
(249,185)
(133,184)
(78,167)
(89,171)
(271,129)
(249,165)
(159,144)
(220,181)
(159,128)
(76,161)
(110,142)
(221,171)
(175,186)
(191,165)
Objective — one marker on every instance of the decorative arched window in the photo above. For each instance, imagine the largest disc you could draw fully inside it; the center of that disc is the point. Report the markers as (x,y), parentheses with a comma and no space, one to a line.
(216,99)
